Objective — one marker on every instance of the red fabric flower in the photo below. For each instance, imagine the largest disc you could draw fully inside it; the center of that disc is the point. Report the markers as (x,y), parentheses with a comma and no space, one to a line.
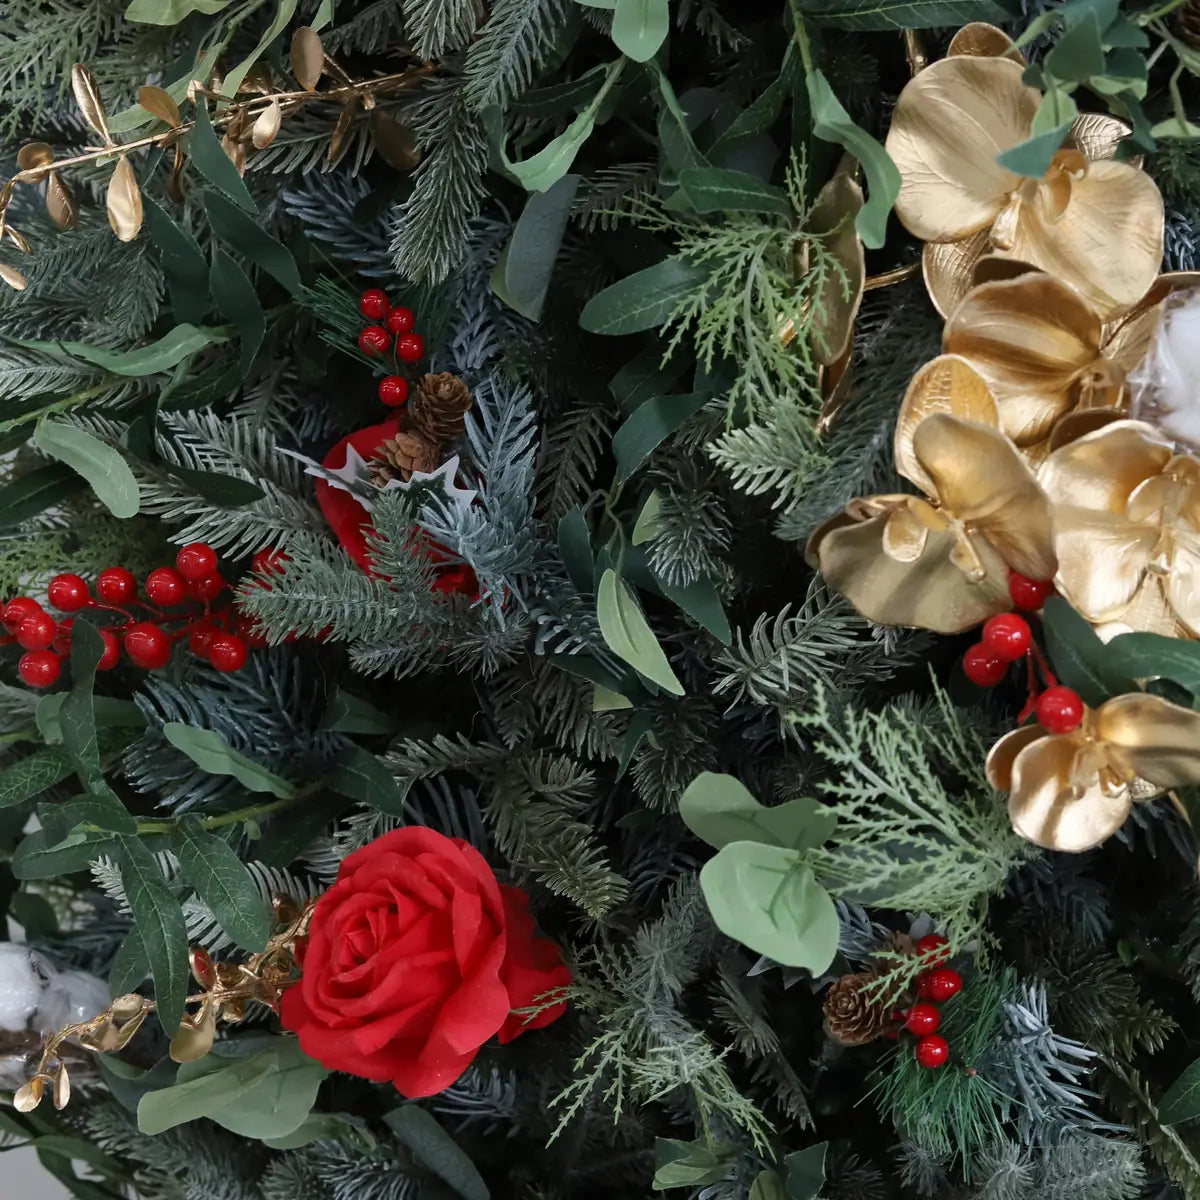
(349,520)
(415,957)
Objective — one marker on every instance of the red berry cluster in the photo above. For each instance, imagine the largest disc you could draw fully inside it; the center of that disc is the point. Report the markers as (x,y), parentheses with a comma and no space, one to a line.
(191,585)
(935,985)
(377,340)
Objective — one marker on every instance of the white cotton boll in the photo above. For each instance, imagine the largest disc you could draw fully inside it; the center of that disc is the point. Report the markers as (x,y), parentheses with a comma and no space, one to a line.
(71,998)
(35,995)
(1165,385)
(21,988)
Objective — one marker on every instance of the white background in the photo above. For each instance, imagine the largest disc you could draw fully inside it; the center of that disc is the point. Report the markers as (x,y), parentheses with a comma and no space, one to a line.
(21,1175)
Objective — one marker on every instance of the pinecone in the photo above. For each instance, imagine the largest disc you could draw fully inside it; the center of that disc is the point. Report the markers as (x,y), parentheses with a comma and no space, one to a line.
(1187,18)
(400,456)
(438,408)
(853,1015)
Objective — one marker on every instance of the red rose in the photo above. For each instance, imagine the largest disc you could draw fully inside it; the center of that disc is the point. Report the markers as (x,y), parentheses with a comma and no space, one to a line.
(349,519)
(415,957)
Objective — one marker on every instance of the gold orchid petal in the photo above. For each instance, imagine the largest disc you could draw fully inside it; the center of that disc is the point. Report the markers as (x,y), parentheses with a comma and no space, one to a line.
(1097,134)
(836,305)
(861,508)
(1004,753)
(1102,560)
(904,536)
(1102,469)
(947,384)
(1182,583)
(1115,206)
(984,41)
(995,268)
(1152,738)
(980,477)
(949,268)
(1029,338)
(1052,809)
(1079,423)
(1149,500)
(950,123)
(929,592)
(1127,339)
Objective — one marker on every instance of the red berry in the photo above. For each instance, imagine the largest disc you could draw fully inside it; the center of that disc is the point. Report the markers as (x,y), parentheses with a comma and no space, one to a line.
(939,984)
(981,668)
(251,632)
(112,651)
(400,320)
(373,304)
(1026,593)
(39,668)
(36,631)
(933,1051)
(393,391)
(1059,709)
(200,639)
(116,585)
(165,586)
(1007,637)
(923,1018)
(374,340)
(147,645)
(68,593)
(269,562)
(410,347)
(19,607)
(205,589)
(227,652)
(62,636)
(932,949)
(196,560)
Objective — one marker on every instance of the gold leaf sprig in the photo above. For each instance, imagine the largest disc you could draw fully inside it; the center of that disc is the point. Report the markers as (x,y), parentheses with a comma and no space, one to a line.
(226,990)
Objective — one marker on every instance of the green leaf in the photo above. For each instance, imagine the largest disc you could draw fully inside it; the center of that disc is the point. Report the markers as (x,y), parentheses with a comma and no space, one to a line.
(768,898)
(647,526)
(130,965)
(227,491)
(575,548)
(806,1172)
(713,189)
(1078,53)
(1033,156)
(241,232)
(629,635)
(171,12)
(222,881)
(720,810)
(49,713)
(103,810)
(37,857)
(237,302)
(864,16)
(643,300)
(211,753)
(35,914)
(213,163)
(639,27)
(606,700)
(77,717)
(233,79)
(1181,1101)
(435,1150)
(33,774)
(702,603)
(318,1127)
(101,465)
(1145,656)
(169,351)
(35,491)
(1080,659)
(360,775)
(644,429)
(348,713)
(161,927)
(686,1164)
(768,1186)
(522,273)
(645,376)
(831,123)
(183,262)
(288,836)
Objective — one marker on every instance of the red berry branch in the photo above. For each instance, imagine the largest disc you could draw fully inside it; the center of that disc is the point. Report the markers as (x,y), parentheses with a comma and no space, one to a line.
(132,623)
(377,340)
(935,985)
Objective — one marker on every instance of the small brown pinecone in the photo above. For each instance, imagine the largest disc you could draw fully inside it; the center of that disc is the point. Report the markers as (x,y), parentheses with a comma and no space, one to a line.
(400,456)
(1187,19)
(853,1014)
(439,407)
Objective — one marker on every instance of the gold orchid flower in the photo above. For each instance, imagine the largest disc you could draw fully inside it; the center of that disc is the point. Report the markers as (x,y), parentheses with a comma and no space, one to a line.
(1072,791)
(1127,528)
(951,122)
(941,562)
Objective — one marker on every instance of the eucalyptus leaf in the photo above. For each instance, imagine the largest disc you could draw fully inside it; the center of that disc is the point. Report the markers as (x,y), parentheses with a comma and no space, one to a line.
(171,12)
(211,753)
(523,271)
(628,634)
(680,1164)
(639,27)
(103,467)
(714,189)
(435,1150)
(700,600)
(575,549)
(805,1172)
(644,430)
(361,775)
(643,300)
(238,303)
(721,810)
(1080,659)
(32,492)
(169,351)
(648,526)
(869,16)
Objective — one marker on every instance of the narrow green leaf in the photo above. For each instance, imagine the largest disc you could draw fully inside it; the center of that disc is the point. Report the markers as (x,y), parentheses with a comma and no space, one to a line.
(102,466)
(291,833)
(522,274)
(679,1164)
(39,858)
(542,170)
(1078,54)
(213,163)
(222,881)
(436,1151)
(241,232)
(575,548)
(1080,659)
(283,14)
(1145,656)
(237,302)
(639,27)
(35,491)
(643,431)
(169,351)
(648,526)
(168,1107)
(720,809)
(643,300)
(702,603)
(77,717)
(832,123)
(806,1172)
(161,926)
(102,810)
(130,966)
(646,375)
(1033,156)
(869,16)
(211,753)
(228,491)
(348,713)
(33,774)
(183,261)
(360,775)
(768,898)
(1181,1101)
(171,12)
(768,1186)
(629,635)
(714,189)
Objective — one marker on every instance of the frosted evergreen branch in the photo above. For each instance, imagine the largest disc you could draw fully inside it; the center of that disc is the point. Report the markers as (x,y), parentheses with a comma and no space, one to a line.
(509,50)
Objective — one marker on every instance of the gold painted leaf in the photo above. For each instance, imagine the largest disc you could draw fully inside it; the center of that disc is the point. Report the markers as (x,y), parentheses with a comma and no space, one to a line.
(175,183)
(394,142)
(60,204)
(267,125)
(124,201)
(984,41)
(833,218)
(87,96)
(160,104)
(308,57)
(18,239)
(33,155)
(194,1037)
(129,1029)
(1098,135)
(62,1089)
(126,1006)
(342,128)
(29,1095)
(13,277)
(235,151)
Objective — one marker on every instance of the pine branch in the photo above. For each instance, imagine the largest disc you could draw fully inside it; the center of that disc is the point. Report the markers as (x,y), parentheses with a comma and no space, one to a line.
(510,49)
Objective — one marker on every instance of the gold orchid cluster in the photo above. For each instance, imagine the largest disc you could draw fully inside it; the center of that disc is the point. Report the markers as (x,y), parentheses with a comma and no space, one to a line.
(1018,437)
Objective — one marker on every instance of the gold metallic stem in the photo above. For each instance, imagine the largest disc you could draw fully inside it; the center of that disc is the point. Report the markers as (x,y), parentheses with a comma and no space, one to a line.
(888,278)
(914,51)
